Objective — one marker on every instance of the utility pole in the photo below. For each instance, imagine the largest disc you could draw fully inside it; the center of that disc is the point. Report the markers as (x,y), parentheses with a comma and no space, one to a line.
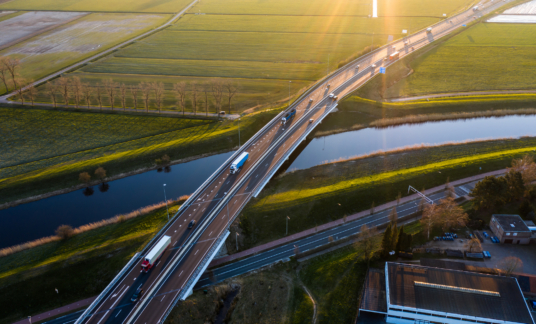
(239,132)
(286,233)
(165,198)
(237,241)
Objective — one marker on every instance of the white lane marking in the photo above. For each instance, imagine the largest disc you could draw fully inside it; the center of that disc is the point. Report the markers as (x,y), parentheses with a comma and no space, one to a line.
(204,209)
(196,252)
(235,201)
(163,298)
(175,243)
(181,273)
(114,295)
(103,316)
(118,313)
(211,232)
(135,278)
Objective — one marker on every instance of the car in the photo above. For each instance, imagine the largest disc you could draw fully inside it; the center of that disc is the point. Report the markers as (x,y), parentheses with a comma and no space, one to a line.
(357,67)
(333,96)
(311,100)
(192,224)
(136,295)
(532,304)
(311,121)
(222,113)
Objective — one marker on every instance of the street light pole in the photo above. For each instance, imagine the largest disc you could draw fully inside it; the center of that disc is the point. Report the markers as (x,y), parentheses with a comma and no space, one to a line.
(238,132)
(165,198)
(237,241)
(30,319)
(286,233)
(289,93)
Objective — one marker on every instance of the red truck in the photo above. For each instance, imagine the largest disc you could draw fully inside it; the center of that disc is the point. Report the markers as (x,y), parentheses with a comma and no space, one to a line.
(154,255)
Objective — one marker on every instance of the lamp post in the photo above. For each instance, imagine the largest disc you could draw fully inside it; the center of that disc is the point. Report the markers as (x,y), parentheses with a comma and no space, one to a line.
(239,132)
(286,233)
(30,319)
(237,241)
(165,198)
(289,93)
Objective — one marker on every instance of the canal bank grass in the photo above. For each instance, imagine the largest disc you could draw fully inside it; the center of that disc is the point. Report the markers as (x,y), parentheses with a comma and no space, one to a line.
(79,267)
(326,193)
(61,171)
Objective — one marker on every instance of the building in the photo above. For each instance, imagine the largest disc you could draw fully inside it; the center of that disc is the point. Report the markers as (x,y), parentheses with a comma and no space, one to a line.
(510,229)
(417,294)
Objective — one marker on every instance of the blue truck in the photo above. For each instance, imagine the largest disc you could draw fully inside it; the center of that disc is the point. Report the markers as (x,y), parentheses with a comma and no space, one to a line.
(288,116)
(239,162)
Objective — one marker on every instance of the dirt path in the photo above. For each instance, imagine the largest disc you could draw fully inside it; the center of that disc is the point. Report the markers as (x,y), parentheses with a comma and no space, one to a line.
(315,306)
(460,94)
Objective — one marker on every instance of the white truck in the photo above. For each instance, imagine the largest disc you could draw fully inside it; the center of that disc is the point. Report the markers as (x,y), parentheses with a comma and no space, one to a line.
(475,8)
(239,162)
(154,255)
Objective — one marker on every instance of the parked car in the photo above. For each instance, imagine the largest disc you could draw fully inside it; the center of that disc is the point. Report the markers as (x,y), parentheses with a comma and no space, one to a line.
(192,224)
(486,254)
(532,304)
(136,295)
(485,234)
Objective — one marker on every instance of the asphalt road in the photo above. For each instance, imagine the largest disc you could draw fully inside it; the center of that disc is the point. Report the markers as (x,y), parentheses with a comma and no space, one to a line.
(223,197)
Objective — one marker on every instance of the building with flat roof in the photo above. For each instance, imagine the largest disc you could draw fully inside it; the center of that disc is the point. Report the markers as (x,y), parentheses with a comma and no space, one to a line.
(510,229)
(417,294)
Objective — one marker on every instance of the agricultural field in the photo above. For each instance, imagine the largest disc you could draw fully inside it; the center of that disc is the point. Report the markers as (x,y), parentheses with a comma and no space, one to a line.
(81,38)
(142,6)
(485,57)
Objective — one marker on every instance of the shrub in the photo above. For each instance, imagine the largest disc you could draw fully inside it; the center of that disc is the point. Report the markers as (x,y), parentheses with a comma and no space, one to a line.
(64,232)
(100,172)
(525,208)
(165,159)
(84,177)
(158,161)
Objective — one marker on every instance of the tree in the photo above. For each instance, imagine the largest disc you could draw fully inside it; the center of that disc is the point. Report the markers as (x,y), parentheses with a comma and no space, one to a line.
(4,74)
(515,187)
(123,93)
(526,167)
(32,92)
(372,208)
(510,264)
(449,189)
(450,214)
(158,88)
(52,89)
(404,240)
(217,93)
(146,94)
(489,193)
(64,87)
(194,96)
(525,208)
(86,93)
(77,90)
(84,177)
(394,236)
(387,240)
(64,232)
(473,245)
(100,172)
(365,242)
(180,93)
(231,91)
(109,86)
(165,159)
(206,90)
(393,215)
(98,93)
(12,64)
(19,86)
(429,218)
(134,90)
(398,198)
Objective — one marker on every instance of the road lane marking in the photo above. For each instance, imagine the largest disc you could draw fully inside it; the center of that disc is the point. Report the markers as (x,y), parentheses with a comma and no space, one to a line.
(103,316)
(163,298)
(118,313)
(196,252)
(212,231)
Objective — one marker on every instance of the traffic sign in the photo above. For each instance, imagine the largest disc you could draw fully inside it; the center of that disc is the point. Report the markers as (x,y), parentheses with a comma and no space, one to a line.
(382,70)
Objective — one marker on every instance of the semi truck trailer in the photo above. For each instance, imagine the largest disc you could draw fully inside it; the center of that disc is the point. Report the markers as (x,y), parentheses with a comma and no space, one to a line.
(288,116)
(154,255)
(239,162)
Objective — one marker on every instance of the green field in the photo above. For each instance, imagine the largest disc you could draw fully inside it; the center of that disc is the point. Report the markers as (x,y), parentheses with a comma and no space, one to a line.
(487,56)
(163,6)
(65,45)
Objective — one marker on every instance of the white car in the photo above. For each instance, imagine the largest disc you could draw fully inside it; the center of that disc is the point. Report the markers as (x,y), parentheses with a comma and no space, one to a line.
(333,96)
(311,100)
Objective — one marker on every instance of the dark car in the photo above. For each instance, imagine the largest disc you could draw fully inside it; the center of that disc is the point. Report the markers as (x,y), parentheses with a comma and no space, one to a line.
(192,223)
(533,304)
(136,295)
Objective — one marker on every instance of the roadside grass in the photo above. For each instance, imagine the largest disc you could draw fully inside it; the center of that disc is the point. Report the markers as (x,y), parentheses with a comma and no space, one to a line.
(77,40)
(302,307)
(486,56)
(165,6)
(328,192)
(59,172)
(79,267)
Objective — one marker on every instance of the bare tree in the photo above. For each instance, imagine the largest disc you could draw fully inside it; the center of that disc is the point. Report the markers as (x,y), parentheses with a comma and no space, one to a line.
(393,215)
(526,167)
(180,93)
(134,90)
(123,92)
(12,64)
(4,74)
(206,89)
(100,172)
(158,88)
(64,87)
(366,242)
(76,86)
(19,86)
(32,92)
(86,93)
(429,218)
(194,96)
(98,92)
(217,93)
(64,231)
(231,91)
(510,264)
(473,245)
(110,86)
(84,177)
(52,89)
(146,93)
(450,214)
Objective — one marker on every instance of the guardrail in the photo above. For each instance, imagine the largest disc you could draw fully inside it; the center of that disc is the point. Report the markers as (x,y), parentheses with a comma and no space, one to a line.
(106,290)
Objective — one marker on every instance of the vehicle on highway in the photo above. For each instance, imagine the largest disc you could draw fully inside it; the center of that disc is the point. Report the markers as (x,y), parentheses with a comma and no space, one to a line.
(192,224)
(136,295)
(288,116)
(475,8)
(311,121)
(311,100)
(239,162)
(394,56)
(333,96)
(357,67)
(429,29)
(156,252)
(373,66)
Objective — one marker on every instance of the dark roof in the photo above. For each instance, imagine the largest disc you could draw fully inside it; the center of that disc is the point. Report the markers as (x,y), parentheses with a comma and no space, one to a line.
(436,263)
(511,223)
(373,298)
(509,306)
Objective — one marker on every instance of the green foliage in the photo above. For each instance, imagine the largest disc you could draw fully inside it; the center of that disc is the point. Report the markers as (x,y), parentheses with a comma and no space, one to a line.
(303,307)
(394,237)
(515,187)
(387,240)
(404,240)
(525,208)
(489,193)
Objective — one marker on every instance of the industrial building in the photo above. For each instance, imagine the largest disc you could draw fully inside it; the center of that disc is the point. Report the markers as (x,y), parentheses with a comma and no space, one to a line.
(510,229)
(416,294)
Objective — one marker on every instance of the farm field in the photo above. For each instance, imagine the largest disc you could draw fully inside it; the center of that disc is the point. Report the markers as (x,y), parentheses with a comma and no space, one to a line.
(328,192)
(67,44)
(485,57)
(151,6)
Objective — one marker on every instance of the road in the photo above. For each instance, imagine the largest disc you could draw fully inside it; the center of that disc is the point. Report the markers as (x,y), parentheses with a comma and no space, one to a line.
(223,196)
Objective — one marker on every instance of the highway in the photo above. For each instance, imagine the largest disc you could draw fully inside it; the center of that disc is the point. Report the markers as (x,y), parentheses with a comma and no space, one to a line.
(222,197)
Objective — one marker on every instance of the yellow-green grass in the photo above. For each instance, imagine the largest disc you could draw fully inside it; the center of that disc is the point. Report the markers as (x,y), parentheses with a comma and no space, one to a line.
(164,6)
(79,267)
(325,193)
(332,8)
(485,57)
(48,52)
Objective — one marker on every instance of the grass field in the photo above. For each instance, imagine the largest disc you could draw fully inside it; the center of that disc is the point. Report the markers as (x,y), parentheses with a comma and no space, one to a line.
(485,57)
(81,38)
(163,6)
(94,256)
(325,193)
